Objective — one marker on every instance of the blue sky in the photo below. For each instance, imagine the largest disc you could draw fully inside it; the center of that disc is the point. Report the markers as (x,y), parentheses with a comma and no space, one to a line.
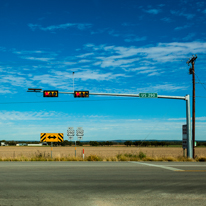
(112,46)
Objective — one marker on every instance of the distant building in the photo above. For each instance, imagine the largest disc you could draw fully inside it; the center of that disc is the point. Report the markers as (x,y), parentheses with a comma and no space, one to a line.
(4,144)
(21,144)
(35,145)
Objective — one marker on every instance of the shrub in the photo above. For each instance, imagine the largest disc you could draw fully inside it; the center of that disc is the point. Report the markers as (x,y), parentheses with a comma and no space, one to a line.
(142,155)
(93,158)
(201,159)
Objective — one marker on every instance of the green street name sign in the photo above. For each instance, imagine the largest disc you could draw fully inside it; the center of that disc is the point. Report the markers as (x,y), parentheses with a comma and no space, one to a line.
(148,95)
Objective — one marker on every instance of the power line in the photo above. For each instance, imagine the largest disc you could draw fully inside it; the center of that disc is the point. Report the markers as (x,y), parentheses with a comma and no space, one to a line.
(200,81)
(64,101)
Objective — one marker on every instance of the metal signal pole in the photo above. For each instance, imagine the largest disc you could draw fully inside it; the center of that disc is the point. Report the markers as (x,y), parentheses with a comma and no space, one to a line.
(192,71)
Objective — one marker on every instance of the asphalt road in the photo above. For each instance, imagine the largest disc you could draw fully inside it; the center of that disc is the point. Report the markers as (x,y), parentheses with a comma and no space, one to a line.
(102,183)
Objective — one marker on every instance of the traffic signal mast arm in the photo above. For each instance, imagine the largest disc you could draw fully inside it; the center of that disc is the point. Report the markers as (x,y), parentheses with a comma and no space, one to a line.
(117,95)
(129,95)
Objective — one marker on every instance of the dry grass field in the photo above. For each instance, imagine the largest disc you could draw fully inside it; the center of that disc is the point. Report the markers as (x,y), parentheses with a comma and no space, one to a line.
(104,152)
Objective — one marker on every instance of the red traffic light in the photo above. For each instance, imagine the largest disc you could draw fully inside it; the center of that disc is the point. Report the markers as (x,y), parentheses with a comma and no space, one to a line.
(81,93)
(50,93)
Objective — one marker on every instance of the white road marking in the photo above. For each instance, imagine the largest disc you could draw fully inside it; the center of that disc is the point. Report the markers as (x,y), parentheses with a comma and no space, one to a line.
(186,165)
(161,166)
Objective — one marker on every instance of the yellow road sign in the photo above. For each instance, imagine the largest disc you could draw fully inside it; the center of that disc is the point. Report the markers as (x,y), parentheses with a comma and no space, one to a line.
(51,137)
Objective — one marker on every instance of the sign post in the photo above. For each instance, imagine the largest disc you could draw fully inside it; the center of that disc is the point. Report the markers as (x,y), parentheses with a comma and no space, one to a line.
(79,134)
(51,148)
(184,138)
(75,149)
(51,137)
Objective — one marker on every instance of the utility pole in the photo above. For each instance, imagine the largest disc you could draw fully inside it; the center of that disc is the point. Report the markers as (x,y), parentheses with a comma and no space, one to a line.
(192,71)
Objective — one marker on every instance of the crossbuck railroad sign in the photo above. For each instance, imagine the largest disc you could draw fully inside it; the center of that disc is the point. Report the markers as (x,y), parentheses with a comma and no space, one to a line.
(51,137)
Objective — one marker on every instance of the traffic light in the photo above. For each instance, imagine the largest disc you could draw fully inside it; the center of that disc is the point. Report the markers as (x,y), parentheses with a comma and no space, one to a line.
(81,93)
(50,93)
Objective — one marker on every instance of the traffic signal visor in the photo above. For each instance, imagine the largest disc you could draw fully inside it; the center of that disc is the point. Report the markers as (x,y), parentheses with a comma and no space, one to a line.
(50,93)
(81,93)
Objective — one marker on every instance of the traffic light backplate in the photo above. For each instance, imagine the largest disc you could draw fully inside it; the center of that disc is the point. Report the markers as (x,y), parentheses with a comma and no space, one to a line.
(81,93)
(50,93)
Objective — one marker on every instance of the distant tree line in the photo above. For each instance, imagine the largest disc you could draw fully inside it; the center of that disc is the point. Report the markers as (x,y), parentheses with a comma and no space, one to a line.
(95,143)
(147,143)
(108,143)
(70,143)
(157,143)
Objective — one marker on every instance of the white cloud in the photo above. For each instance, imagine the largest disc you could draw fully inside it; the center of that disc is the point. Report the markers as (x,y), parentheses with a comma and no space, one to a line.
(17,124)
(6,90)
(166,19)
(153,11)
(34,26)
(54,81)
(89,75)
(177,119)
(113,33)
(85,55)
(3,49)
(183,27)
(181,119)
(43,59)
(162,52)
(133,39)
(15,80)
(29,52)
(141,68)
(180,13)
(162,87)
(84,61)
(80,26)
(114,61)
(36,55)
(140,59)
(189,36)
(63,80)
(129,24)
(16,115)
(200,118)
(143,61)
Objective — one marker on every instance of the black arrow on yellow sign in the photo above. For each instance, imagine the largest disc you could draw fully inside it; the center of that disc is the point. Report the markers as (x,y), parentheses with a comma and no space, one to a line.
(51,137)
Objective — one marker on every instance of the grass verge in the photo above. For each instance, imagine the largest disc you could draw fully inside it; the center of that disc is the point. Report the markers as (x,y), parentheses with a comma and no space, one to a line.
(120,157)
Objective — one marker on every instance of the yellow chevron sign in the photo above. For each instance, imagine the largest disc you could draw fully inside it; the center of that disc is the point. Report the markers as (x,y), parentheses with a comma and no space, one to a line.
(51,137)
